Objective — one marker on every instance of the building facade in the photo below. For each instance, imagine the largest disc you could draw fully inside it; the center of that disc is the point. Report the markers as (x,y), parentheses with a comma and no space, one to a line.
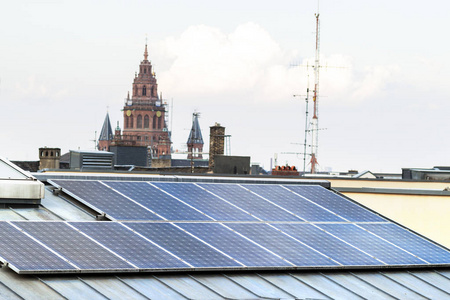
(144,115)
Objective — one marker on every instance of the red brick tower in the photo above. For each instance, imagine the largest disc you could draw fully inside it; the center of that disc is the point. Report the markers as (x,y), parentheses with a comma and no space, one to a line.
(144,115)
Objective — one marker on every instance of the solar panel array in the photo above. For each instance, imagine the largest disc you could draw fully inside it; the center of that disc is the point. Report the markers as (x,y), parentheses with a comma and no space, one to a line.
(169,226)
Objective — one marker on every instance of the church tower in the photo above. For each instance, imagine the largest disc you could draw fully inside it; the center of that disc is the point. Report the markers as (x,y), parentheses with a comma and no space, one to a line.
(195,139)
(144,114)
(106,135)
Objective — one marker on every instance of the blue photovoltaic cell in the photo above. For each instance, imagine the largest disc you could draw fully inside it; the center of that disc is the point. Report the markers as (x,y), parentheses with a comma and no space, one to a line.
(328,245)
(204,201)
(234,245)
(129,245)
(371,244)
(25,254)
(72,245)
(183,245)
(293,203)
(104,199)
(281,244)
(410,242)
(157,201)
(335,203)
(250,202)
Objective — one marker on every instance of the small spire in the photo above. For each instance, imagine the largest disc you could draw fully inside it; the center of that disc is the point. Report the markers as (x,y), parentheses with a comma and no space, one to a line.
(128,96)
(145,52)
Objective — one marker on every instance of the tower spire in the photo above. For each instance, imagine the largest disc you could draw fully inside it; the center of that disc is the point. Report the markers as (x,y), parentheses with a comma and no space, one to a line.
(145,52)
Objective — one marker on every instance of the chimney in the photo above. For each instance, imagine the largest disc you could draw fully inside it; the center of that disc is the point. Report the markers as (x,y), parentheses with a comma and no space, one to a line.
(49,158)
(216,143)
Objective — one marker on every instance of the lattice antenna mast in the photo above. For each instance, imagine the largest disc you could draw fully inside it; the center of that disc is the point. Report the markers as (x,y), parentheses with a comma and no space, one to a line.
(315,118)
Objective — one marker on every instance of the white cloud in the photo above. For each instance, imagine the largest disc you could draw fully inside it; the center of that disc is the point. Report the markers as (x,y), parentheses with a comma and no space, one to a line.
(249,65)
(207,61)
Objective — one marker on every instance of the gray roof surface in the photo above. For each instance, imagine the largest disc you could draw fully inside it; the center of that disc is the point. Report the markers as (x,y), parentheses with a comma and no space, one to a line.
(407,283)
(386,284)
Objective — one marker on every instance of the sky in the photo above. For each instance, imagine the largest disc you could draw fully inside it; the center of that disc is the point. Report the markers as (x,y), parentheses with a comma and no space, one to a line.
(383,85)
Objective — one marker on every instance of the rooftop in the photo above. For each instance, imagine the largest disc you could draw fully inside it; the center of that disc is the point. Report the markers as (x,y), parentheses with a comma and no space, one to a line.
(81,200)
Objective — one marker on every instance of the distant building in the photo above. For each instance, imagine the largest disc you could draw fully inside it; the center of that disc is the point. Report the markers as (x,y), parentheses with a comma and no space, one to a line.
(228,164)
(285,171)
(438,173)
(130,155)
(144,117)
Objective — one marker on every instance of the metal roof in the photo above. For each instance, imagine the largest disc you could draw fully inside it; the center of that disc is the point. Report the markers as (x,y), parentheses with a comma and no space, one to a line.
(407,283)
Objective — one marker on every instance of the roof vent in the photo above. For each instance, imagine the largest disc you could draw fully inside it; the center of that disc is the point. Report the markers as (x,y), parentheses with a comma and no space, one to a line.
(18,186)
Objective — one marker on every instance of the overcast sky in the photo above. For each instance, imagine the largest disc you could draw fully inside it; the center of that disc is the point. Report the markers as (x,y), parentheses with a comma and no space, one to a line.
(63,64)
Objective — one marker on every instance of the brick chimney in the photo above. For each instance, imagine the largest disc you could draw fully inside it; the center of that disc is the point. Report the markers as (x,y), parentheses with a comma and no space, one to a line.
(216,143)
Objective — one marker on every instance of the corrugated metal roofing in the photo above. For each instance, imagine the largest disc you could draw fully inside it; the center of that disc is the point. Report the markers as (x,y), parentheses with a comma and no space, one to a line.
(408,284)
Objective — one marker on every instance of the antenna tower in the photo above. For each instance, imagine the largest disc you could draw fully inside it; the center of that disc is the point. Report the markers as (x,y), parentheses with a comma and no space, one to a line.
(315,118)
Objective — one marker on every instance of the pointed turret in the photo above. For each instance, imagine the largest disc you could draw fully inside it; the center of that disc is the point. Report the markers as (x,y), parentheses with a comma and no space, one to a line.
(106,135)
(145,52)
(195,139)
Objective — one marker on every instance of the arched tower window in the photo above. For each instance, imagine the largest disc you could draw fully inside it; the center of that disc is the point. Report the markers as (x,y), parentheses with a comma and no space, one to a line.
(139,121)
(135,90)
(144,90)
(159,123)
(131,122)
(146,121)
(126,122)
(154,122)
(153,91)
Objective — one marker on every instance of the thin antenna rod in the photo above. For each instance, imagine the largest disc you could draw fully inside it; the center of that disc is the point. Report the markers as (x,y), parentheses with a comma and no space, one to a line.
(306,129)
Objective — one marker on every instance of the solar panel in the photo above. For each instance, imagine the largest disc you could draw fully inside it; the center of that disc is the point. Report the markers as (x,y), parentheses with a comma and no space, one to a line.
(73,246)
(335,203)
(105,200)
(251,203)
(291,249)
(329,245)
(206,226)
(241,249)
(25,255)
(48,247)
(156,200)
(190,249)
(409,241)
(293,203)
(371,244)
(135,249)
(204,201)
